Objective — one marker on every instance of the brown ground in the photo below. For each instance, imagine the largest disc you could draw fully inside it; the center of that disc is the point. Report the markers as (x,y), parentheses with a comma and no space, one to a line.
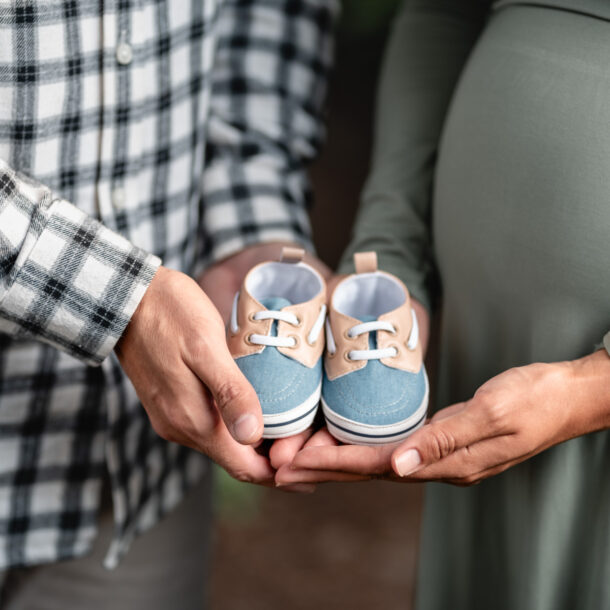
(344,547)
(351,546)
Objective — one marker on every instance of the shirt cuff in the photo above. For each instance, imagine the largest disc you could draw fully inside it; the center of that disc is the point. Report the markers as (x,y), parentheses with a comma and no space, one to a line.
(76,285)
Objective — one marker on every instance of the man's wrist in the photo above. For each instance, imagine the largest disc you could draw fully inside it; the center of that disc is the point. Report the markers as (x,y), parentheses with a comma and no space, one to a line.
(138,313)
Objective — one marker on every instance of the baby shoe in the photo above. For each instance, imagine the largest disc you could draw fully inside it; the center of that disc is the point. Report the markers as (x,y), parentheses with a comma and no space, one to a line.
(276,335)
(375,388)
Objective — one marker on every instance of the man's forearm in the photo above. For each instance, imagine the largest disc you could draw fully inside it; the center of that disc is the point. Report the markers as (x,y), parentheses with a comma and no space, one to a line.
(65,278)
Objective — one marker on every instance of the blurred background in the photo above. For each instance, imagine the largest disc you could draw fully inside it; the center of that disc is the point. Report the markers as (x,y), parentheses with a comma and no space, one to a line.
(351,546)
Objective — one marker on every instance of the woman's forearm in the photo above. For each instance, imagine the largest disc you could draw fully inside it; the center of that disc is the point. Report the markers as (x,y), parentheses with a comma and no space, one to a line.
(429,45)
(590,393)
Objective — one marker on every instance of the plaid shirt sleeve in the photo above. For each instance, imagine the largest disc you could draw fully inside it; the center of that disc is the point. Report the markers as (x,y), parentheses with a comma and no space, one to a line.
(269,85)
(65,279)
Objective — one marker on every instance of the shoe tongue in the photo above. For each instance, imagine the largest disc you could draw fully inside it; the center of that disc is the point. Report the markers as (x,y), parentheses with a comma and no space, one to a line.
(367,318)
(275,303)
(373,333)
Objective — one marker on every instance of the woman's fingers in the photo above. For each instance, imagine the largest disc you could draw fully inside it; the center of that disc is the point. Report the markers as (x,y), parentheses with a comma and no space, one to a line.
(287,475)
(494,465)
(446,435)
(290,474)
(322,438)
(468,465)
(447,412)
(283,450)
(354,459)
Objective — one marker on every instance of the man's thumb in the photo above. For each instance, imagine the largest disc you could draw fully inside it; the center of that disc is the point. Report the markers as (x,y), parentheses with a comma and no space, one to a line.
(235,398)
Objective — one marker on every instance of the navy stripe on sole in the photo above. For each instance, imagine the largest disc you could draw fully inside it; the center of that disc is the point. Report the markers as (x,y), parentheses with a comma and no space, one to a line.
(291,421)
(392,435)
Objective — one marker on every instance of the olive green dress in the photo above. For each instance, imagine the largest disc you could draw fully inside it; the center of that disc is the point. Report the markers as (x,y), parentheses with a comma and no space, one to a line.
(490,197)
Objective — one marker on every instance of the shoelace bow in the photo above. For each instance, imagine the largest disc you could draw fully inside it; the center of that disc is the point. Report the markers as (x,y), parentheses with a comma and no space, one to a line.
(284,316)
(367,327)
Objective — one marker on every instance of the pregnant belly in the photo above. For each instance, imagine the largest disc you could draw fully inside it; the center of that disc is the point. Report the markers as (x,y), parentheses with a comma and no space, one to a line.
(522,193)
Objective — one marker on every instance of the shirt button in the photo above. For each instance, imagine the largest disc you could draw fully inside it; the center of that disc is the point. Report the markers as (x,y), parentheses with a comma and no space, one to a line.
(124,53)
(118,198)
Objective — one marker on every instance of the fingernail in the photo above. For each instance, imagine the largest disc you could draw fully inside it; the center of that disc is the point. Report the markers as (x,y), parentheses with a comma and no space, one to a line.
(245,428)
(408,462)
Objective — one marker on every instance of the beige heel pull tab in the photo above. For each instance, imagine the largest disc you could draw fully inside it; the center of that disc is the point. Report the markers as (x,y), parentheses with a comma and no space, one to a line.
(292,255)
(365,262)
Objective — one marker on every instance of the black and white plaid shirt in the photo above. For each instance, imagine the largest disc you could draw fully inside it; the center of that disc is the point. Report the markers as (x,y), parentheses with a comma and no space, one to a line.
(130,131)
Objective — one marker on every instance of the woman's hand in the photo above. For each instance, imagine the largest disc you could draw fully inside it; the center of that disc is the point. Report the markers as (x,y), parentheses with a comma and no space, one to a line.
(511,418)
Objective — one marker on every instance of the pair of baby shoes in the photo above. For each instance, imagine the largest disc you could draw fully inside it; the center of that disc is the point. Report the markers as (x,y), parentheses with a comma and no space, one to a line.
(371,381)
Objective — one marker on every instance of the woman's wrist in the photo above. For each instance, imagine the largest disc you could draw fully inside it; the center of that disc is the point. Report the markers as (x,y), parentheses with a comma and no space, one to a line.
(590,393)
(606,342)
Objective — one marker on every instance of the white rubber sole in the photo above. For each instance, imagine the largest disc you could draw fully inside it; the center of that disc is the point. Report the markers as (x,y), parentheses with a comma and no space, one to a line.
(293,421)
(355,433)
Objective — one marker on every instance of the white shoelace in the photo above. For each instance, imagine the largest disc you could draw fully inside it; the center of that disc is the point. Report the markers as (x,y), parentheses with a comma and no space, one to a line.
(367,327)
(284,316)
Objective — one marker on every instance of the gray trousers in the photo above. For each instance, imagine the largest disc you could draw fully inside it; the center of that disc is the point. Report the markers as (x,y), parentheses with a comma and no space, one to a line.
(166,568)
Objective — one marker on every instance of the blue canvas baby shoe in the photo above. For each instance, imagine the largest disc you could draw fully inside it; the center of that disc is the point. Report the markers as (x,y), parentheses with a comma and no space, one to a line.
(276,335)
(375,388)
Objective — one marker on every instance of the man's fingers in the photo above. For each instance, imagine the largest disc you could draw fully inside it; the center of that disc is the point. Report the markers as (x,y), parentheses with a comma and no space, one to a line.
(235,398)
(242,462)
(284,449)
(439,439)
(200,427)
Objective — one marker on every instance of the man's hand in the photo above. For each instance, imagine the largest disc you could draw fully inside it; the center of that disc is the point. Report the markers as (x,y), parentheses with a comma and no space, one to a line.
(511,418)
(175,353)
(222,280)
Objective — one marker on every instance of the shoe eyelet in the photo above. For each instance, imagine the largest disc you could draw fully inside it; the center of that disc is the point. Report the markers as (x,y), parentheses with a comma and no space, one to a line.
(330,354)
(297,341)
(312,343)
(397,348)
(347,357)
(396,329)
(411,349)
(299,322)
(248,339)
(252,318)
(347,335)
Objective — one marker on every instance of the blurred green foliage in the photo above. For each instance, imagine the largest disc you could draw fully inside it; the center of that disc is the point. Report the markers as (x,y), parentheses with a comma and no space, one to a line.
(235,501)
(365,17)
